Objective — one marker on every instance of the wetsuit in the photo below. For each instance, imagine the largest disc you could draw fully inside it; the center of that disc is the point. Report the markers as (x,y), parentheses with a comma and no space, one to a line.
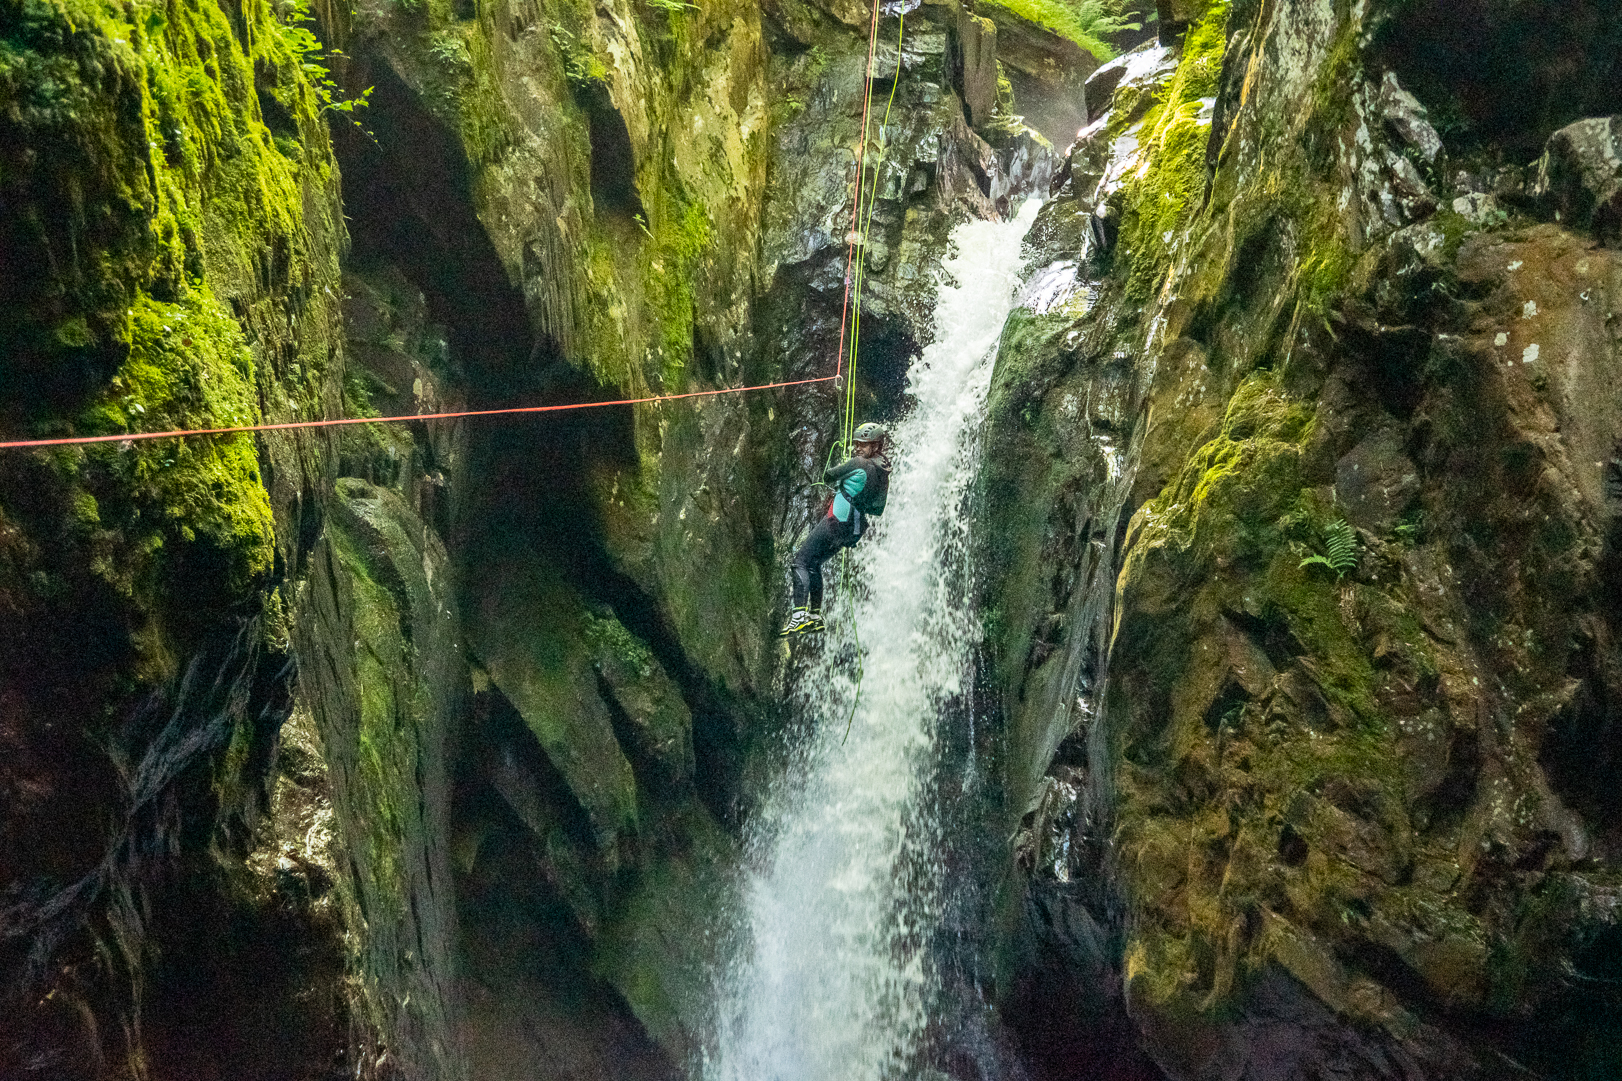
(860,488)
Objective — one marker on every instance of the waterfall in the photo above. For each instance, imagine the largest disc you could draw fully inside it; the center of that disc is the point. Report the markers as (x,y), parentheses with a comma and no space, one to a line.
(834,981)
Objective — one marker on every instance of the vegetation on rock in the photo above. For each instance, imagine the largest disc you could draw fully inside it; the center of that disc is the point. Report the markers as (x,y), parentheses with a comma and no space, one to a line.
(1088,23)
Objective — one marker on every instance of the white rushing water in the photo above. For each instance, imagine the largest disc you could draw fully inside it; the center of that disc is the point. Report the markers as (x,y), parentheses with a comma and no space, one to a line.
(834,982)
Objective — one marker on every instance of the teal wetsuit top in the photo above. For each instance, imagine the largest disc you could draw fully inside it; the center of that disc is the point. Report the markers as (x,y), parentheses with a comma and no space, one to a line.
(860,485)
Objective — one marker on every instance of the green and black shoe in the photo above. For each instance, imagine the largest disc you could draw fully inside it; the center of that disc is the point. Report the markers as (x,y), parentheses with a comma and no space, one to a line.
(802,621)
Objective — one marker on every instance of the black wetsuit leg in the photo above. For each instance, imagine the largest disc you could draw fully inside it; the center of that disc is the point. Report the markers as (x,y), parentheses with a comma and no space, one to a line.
(827,537)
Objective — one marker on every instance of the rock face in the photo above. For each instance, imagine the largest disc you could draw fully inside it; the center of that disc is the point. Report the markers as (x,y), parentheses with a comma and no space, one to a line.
(420,751)
(1338,379)
(169,240)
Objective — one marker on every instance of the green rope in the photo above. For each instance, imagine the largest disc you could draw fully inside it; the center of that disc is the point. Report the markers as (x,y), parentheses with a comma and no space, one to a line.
(847,434)
(860,272)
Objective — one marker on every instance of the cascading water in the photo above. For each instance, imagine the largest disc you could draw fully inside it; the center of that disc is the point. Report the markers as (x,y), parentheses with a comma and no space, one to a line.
(834,981)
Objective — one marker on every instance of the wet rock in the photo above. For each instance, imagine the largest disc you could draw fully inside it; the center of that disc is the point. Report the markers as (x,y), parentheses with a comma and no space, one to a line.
(1579,177)
(1132,75)
(384,683)
(916,49)
(1047,73)
(1101,85)
(1285,1030)
(977,42)
(1405,197)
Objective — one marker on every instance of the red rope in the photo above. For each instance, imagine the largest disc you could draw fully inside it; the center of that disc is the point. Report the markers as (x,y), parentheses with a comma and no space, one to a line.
(131,436)
(856,203)
(839,366)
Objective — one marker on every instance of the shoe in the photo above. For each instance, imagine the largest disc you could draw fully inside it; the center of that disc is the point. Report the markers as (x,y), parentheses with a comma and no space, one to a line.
(802,621)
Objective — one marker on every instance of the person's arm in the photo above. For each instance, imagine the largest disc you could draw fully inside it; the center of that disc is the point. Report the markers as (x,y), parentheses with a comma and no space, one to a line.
(847,478)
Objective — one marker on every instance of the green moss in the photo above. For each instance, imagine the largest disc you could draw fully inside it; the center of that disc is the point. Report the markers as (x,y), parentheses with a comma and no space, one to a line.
(136,117)
(1203,809)
(385,749)
(1332,89)
(608,635)
(461,88)
(1238,486)
(189,367)
(1160,201)
(684,242)
(1087,23)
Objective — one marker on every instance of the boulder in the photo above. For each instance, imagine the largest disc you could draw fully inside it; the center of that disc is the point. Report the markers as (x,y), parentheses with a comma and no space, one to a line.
(1579,177)
(1144,68)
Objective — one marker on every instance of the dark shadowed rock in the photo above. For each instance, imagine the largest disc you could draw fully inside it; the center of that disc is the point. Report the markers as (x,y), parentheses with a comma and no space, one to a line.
(1175,15)
(1580,177)
(977,42)
(1285,1032)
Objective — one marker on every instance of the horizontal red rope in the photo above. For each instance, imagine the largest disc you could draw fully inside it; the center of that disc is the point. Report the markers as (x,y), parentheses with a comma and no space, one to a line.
(390,420)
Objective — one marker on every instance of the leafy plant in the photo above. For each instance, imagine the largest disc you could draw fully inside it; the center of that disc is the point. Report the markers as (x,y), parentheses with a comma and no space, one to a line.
(672,6)
(451,51)
(1340,549)
(303,43)
(1410,527)
(817,62)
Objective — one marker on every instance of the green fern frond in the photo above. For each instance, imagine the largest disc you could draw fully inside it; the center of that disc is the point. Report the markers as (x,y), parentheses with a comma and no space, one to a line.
(1340,549)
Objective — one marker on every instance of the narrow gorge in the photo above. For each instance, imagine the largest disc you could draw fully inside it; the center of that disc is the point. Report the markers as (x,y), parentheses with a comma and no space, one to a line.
(1228,691)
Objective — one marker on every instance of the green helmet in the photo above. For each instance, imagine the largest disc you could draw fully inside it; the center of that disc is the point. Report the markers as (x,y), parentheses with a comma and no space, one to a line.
(871,433)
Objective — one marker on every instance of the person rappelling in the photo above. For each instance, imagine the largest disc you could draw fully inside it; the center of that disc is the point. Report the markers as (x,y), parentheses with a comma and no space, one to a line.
(860,485)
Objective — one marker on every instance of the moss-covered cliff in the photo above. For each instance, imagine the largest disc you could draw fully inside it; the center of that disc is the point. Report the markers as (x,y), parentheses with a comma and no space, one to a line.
(1341,358)
(170,237)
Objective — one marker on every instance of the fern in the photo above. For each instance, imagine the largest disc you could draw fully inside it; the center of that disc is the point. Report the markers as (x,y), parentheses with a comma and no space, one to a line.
(1340,549)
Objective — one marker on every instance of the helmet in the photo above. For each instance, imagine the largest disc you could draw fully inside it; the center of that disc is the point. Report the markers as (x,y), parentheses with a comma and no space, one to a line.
(871,433)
